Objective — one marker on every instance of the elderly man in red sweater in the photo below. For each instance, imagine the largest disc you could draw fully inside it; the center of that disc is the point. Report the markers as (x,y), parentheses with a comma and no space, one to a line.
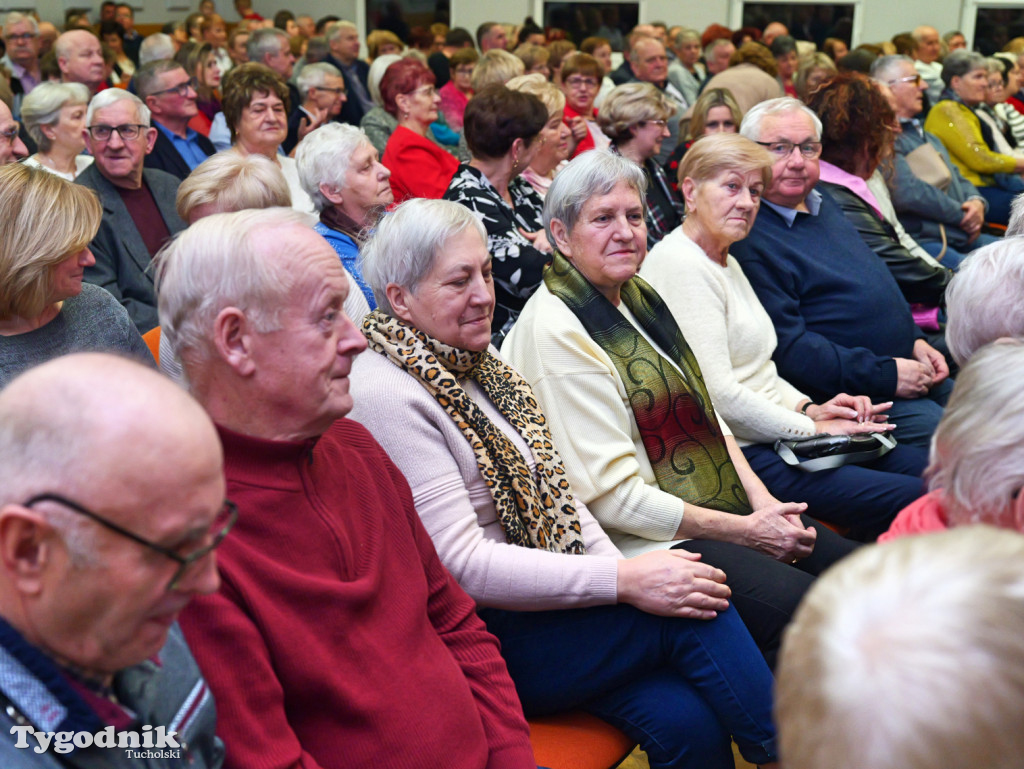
(337,638)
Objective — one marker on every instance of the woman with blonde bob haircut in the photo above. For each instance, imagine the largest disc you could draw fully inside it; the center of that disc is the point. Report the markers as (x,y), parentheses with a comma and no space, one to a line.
(45,309)
(230,182)
(54,115)
(635,117)
(722,178)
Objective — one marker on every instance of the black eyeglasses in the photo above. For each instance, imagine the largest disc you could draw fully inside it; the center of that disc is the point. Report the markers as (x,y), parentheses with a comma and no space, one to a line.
(10,133)
(22,37)
(335,91)
(127,132)
(181,89)
(222,523)
(783,149)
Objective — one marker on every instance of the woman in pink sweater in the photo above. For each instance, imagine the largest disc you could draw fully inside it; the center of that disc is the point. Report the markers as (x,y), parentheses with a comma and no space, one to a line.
(649,644)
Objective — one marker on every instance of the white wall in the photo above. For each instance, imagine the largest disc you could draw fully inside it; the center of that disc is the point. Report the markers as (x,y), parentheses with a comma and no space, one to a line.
(881,18)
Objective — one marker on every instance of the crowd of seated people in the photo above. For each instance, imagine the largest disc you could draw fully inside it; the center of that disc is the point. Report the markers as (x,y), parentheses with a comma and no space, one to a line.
(610,280)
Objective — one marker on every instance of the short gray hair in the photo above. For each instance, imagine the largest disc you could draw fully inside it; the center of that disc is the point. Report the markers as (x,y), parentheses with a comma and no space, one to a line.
(977,456)
(751,125)
(882,67)
(264,41)
(156,47)
(684,35)
(221,261)
(377,69)
(1016,224)
(147,75)
(334,30)
(627,105)
(105,98)
(233,182)
(959,63)
(14,17)
(709,49)
(406,242)
(314,76)
(983,300)
(596,172)
(323,158)
(886,656)
(43,105)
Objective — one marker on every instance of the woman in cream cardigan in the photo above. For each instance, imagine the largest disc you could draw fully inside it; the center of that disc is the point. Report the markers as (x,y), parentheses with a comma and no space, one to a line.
(645,643)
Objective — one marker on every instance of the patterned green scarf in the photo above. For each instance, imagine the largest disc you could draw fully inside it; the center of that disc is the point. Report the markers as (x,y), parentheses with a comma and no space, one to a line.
(677,422)
(538,515)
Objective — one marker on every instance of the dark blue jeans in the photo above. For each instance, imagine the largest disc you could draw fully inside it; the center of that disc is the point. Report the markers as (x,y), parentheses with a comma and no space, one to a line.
(999,201)
(679,687)
(862,498)
(917,418)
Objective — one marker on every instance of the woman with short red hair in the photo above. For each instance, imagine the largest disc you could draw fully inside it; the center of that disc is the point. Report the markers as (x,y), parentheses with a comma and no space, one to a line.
(419,167)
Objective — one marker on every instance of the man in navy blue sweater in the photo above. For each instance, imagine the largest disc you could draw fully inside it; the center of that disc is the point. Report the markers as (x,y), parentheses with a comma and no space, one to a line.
(841,321)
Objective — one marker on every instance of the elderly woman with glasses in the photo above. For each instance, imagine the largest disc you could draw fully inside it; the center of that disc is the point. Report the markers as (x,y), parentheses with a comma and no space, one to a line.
(45,308)
(635,116)
(628,409)
(492,492)
(581,81)
(54,116)
(419,167)
(953,120)
(722,178)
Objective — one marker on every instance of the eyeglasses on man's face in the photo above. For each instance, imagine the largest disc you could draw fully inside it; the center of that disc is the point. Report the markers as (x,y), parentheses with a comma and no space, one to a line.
(20,37)
(181,89)
(783,149)
(127,132)
(187,564)
(10,133)
(915,79)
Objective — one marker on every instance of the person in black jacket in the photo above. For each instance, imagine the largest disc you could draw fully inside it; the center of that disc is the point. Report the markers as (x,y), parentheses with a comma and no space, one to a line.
(169,93)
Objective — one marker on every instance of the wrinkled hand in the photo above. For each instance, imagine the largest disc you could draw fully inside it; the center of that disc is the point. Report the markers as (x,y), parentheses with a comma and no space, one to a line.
(673,583)
(925,353)
(539,239)
(849,427)
(777,531)
(307,126)
(974,216)
(913,378)
(849,415)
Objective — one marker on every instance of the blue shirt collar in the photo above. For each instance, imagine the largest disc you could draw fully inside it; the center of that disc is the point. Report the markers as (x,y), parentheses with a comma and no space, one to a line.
(813,202)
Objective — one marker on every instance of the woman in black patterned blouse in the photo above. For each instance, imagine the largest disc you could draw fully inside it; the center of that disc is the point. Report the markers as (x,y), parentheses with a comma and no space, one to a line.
(500,127)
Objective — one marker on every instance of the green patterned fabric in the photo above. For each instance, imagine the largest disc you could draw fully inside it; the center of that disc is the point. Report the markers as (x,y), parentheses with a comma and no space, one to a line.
(534,511)
(677,423)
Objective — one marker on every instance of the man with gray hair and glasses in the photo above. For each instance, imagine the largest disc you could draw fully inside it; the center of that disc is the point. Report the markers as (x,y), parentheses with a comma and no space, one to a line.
(170,94)
(936,205)
(338,639)
(111,505)
(21,36)
(842,322)
(138,203)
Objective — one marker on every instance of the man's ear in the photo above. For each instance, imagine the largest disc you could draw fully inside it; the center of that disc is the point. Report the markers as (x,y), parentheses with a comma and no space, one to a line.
(26,543)
(150,139)
(233,339)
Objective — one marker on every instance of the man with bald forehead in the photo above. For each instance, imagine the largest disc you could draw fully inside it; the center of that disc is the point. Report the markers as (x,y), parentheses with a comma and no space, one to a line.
(111,504)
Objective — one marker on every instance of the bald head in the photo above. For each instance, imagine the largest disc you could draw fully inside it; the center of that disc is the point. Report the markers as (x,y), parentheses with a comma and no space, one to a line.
(70,423)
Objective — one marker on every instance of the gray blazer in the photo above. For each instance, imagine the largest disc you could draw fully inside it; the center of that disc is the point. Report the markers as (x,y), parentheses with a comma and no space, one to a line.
(122,260)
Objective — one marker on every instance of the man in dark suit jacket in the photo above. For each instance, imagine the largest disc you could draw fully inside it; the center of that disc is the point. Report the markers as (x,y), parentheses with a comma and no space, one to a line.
(166,89)
(343,39)
(138,204)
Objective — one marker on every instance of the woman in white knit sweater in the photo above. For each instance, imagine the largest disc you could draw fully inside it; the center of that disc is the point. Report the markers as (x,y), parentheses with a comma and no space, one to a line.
(648,644)
(722,178)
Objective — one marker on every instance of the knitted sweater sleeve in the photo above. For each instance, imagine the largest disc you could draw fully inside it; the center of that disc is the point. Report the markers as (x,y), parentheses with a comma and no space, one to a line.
(699,294)
(475,650)
(960,130)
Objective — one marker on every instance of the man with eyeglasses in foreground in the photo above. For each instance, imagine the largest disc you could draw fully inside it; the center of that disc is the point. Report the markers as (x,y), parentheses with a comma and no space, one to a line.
(111,503)
(12,148)
(337,639)
(842,323)
(138,204)
(170,94)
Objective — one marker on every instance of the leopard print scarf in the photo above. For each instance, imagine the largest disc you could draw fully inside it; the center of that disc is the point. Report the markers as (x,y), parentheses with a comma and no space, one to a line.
(533,514)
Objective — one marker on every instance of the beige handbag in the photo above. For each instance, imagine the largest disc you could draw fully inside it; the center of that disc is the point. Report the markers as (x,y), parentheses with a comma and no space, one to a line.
(927,165)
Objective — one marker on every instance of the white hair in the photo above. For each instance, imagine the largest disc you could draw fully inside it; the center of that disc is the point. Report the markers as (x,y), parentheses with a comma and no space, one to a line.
(377,69)
(105,98)
(596,172)
(909,655)
(751,125)
(221,261)
(14,17)
(406,241)
(334,30)
(883,67)
(709,49)
(265,42)
(977,457)
(984,299)
(323,158)
(156,47)
(43,105)
(314,76)
(1015,226)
